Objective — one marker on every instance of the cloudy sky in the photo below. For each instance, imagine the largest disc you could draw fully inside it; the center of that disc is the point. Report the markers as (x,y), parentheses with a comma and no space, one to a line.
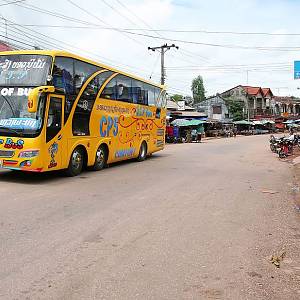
(228,42)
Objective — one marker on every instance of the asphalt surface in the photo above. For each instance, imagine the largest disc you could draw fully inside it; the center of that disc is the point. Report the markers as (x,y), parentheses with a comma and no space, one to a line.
(195,221)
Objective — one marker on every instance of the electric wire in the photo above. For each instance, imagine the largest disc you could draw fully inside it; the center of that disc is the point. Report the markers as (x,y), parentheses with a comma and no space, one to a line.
(228,46)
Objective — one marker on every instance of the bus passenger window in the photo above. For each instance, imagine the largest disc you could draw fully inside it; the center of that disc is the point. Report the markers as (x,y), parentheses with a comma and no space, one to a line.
(138,93)
(109,92)
(149,90)
(82,114)
(157,99)
(124,88)
(63,74)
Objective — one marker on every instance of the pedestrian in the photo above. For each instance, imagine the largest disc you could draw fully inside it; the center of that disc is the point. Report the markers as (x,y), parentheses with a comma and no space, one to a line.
(188,137)
(170,133)
(199,133)
(234,130)
(194,134)
(176,134)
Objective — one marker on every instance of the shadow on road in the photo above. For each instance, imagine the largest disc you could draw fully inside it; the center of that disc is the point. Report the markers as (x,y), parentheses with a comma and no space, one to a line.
(30,178)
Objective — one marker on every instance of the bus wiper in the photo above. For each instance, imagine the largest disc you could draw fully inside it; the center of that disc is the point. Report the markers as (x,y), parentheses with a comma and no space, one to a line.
(12,130)
(9,104)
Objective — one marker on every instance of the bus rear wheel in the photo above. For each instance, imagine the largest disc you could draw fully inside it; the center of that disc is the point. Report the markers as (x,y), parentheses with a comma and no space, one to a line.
(101,158)
(75,163)
(143,152)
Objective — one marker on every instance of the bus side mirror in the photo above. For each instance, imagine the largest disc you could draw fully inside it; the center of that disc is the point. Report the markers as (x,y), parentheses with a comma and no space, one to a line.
(34,95)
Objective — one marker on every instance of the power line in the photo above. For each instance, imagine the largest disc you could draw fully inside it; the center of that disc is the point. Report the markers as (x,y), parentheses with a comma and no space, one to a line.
(12,2)
(258,48)
(15,40)
(96,17)
(69,46)
(169,30)
(279,64)
(163,49)
(139,18)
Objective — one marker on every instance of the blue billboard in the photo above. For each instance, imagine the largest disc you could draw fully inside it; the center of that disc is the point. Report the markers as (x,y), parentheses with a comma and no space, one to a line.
(296,69)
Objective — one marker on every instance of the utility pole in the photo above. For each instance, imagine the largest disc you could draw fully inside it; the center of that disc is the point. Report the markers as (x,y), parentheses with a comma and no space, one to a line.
(163,49)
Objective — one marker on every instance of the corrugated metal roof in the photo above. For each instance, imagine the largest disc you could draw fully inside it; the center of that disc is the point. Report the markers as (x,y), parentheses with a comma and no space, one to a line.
(4,47)
(190,114)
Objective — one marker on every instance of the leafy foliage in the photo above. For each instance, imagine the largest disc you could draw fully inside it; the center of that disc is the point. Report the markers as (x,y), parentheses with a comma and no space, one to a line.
(198,89)
(235,109)
(177,97)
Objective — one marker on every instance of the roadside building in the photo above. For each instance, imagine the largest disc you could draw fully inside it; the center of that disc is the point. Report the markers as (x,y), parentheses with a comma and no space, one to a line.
(179,110)
(214,108)
(5,46)
(259,102)
(288,107)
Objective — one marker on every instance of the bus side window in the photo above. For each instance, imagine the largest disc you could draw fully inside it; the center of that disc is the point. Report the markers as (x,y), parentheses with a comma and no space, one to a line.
(138,93)
(82,114)
(54,121)
(82,71)
(110,92)
(157,98)
(163,99)
(150,94)
(124,91)
(63,74)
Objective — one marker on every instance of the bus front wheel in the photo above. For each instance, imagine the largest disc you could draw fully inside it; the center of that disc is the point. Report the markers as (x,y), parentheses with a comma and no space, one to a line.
(76,163)
(143,152)
(101,158)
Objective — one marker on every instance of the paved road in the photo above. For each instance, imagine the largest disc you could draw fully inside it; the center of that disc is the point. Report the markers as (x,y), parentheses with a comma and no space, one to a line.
(189,223)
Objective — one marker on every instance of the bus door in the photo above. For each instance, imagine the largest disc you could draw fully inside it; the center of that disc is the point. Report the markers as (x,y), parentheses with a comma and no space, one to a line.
(55,141)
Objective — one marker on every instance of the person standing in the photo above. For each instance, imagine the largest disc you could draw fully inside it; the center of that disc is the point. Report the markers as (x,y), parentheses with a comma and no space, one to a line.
(199,133)
(234,130)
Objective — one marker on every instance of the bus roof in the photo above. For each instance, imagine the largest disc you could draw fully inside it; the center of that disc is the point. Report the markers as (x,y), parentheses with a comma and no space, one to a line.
(54,53)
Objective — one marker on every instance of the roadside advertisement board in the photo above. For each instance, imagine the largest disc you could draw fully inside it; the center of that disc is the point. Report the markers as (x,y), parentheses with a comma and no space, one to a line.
(296,69)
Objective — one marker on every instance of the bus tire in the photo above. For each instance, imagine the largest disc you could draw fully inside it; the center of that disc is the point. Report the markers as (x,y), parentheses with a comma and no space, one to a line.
(76,162)
(101,158)
(143,152)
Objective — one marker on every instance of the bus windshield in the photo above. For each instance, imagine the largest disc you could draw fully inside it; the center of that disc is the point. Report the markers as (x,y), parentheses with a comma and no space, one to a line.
(18,74)
(15,120)
(24,70)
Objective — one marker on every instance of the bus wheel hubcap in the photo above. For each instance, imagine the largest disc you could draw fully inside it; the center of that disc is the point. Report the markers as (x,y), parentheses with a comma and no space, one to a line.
(143,151)
(76,160)
(100,156)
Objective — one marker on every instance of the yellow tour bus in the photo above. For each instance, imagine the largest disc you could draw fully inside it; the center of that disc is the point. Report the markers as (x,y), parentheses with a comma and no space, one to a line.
(59,111)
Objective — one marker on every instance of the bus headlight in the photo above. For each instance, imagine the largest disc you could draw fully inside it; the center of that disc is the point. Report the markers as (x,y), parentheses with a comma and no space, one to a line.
(29,153)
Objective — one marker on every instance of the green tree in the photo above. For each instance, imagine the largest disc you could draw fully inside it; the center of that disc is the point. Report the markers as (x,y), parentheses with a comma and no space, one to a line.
(235,109)
(198,89)
(177,97)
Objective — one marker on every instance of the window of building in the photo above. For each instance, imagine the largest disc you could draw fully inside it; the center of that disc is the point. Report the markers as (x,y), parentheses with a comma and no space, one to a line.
(217,110)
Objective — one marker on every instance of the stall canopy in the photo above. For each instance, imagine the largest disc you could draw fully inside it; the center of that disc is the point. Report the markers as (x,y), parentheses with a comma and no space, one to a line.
(184,122)
(243,122)
(263,122)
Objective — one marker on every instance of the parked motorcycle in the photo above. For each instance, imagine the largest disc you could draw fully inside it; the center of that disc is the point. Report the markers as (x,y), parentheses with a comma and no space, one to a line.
(275,143)
(286,147)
